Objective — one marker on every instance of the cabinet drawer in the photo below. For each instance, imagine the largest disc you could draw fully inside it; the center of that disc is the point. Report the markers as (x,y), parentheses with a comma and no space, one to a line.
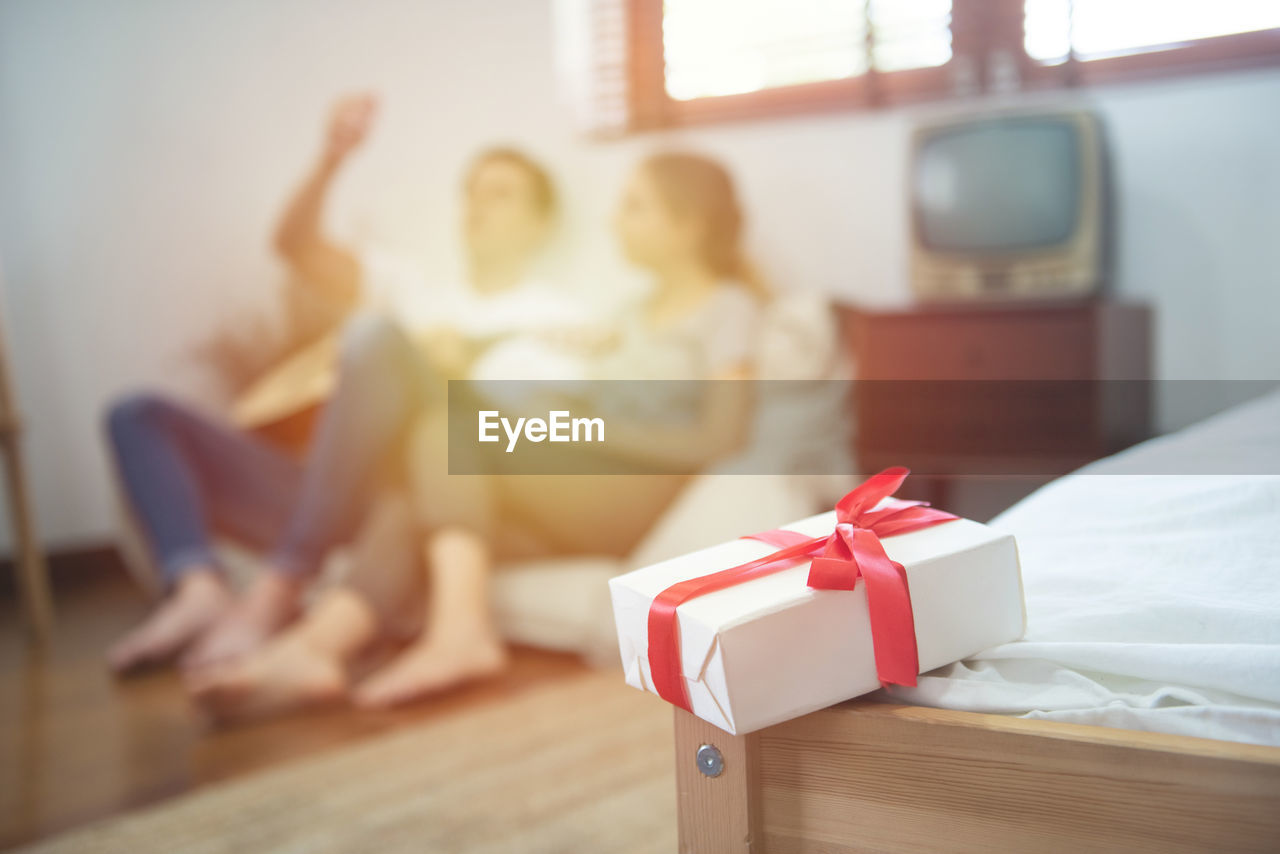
(981,346)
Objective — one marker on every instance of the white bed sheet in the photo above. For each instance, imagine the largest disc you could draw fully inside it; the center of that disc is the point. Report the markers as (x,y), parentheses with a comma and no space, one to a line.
(1153,600)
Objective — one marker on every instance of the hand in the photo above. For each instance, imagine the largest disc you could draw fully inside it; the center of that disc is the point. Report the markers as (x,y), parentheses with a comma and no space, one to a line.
(349,124)
(240,349)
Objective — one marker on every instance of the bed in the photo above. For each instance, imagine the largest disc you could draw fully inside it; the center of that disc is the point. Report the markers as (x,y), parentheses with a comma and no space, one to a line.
(1140,712)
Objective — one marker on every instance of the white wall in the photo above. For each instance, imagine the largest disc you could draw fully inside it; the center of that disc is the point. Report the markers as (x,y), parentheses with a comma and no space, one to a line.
(146,145)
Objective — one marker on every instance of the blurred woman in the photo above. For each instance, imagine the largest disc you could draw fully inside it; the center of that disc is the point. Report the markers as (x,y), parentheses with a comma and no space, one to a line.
(680,220)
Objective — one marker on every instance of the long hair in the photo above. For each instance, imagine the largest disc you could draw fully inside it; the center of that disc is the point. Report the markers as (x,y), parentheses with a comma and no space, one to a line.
(697,186)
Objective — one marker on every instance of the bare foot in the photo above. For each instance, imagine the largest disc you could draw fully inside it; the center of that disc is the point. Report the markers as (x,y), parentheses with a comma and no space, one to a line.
(431,666)
(268,606)
(197,602)
(286,675)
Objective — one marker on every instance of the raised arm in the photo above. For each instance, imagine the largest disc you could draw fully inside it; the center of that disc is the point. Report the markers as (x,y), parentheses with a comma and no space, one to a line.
(329,270)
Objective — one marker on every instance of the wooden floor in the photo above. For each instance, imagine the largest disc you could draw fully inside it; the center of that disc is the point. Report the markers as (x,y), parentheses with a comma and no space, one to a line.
(77,745)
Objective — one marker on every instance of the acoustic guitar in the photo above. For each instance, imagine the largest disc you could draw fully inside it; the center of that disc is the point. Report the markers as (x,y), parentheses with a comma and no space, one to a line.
(281,405)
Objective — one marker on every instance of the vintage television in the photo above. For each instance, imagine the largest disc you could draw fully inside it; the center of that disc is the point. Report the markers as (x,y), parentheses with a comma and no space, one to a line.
(1010,206)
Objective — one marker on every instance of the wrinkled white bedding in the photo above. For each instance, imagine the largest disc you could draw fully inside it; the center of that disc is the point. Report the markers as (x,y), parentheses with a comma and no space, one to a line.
(1153,600)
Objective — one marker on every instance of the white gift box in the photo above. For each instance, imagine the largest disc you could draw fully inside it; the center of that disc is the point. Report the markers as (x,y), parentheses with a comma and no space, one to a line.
(772,649)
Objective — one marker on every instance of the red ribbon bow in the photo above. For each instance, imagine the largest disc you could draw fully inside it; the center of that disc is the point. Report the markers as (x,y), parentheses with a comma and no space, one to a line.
(852,551)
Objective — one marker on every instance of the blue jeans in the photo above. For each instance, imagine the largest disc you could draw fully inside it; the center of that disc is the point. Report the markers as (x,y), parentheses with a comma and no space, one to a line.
(190,477)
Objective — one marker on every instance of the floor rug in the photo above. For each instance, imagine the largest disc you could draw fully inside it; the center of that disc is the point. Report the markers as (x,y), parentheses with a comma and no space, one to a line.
(583,765)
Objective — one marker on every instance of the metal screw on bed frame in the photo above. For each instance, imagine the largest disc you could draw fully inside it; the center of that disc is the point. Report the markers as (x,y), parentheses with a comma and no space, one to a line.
(710,762)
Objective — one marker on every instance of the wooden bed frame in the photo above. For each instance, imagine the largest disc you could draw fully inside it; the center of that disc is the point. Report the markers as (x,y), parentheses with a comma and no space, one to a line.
(866,776)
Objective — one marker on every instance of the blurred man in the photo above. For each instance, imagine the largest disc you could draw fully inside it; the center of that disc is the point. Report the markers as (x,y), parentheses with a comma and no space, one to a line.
(190,477)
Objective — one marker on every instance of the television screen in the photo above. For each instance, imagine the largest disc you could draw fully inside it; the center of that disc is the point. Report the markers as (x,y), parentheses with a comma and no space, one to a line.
(1004,184)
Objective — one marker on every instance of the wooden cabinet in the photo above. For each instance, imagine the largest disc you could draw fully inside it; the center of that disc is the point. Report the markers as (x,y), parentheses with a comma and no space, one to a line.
(1020,393)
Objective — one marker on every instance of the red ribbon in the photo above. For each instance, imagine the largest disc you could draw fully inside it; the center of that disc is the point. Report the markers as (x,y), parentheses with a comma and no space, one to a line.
(852,551)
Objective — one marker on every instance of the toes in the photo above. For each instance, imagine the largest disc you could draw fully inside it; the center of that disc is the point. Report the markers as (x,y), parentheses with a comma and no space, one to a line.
(175,624)
(398,684)
(125,656)
(278,679)
(197,658)
(416,676)
(220,693)
(216,648)
(214,683)
(385,698)
(145,645)
(372,695)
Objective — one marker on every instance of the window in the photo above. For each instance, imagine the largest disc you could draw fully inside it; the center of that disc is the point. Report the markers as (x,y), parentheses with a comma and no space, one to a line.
(700,60)
(1096,29)
(661,63)
(717,48)
(726,47)
(1070,42)
(909,35)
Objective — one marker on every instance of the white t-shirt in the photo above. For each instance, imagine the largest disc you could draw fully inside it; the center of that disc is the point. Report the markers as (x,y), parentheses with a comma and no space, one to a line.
(720,335)
(516,316)
(717,337)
